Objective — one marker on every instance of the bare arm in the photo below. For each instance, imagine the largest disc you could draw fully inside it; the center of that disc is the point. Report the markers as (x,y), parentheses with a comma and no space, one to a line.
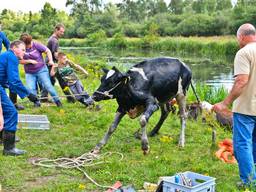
(53,69)
(240,82)
(28,61)
(49,55)
(78,67)
(237,89)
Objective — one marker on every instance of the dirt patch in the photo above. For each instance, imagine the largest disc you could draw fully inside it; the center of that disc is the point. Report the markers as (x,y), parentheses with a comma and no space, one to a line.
(39,181)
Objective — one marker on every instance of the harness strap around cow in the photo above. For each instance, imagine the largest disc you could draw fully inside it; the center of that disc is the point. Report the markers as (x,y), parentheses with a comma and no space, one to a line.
(107,93)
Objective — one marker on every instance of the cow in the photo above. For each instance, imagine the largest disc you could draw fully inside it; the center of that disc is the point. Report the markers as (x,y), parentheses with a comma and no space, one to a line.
(147,86)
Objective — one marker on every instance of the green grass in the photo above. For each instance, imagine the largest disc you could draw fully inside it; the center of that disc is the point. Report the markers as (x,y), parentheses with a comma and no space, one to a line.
(76,130)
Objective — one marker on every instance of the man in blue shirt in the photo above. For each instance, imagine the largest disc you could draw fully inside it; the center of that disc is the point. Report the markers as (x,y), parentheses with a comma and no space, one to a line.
(5,41)
(9,78)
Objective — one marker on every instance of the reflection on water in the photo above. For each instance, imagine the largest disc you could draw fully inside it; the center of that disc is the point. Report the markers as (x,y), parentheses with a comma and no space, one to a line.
(216,72)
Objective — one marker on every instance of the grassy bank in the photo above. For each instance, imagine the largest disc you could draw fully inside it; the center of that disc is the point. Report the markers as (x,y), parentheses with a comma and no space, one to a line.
(218,46)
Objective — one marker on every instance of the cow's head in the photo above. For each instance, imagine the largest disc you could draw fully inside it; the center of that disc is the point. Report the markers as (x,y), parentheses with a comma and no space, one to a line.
(111,82)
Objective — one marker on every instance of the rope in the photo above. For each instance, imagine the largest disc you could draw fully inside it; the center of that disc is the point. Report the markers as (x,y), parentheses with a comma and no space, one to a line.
(85,160)
(106,93)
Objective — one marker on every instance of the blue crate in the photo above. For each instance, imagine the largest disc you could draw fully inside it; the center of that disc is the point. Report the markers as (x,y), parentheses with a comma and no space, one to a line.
(200,183)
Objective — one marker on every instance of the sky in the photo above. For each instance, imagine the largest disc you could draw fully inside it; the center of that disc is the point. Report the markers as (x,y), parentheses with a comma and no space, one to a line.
(37,5)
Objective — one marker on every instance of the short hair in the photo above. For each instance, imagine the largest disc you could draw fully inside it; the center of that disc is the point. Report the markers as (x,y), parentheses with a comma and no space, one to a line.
(61,54)
(246,29)
(16,43)
(26,38)
(58,26)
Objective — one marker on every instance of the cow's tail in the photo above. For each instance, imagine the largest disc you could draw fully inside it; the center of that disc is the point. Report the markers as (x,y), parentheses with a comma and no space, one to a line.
(194,91)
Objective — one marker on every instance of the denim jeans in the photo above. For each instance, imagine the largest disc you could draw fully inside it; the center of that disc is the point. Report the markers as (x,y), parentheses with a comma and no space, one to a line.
(244,143)
(78,90)
(42,76)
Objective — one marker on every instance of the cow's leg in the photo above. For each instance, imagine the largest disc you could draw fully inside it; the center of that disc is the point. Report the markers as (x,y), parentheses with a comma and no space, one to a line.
(181,99)
(111,129)
(165,110)
(150,109)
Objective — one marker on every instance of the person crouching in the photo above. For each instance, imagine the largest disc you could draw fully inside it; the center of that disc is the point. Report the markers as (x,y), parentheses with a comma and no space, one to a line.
(66,71)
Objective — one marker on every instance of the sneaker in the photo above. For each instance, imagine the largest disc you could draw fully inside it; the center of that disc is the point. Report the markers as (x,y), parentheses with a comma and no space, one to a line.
(19,107)
(58,103)
(89,101)
(37,104)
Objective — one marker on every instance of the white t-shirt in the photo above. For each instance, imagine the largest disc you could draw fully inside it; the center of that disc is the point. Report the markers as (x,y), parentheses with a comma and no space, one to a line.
(245,63)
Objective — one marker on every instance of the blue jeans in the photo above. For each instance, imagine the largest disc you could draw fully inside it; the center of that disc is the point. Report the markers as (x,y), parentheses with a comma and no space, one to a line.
(244,142)
(42,76)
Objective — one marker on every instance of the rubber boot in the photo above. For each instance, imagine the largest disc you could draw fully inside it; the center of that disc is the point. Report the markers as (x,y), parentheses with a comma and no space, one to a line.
(17,139)
(9,144)
(70,98)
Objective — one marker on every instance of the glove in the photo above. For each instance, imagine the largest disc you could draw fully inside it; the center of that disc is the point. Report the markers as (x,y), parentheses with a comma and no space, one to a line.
(33,98)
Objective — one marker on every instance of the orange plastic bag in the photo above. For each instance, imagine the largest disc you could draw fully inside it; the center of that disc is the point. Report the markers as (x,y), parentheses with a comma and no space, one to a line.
(226,152)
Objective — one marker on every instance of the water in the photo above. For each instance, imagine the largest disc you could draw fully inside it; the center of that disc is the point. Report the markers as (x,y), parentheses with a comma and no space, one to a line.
(214,71)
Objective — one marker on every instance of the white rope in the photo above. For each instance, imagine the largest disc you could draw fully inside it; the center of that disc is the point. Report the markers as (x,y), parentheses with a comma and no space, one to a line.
(85,160)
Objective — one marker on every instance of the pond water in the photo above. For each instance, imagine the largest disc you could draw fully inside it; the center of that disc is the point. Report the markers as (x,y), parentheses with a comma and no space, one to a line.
(214,71)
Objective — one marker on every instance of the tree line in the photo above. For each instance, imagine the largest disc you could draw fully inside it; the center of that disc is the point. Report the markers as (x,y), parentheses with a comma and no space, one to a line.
(134,18)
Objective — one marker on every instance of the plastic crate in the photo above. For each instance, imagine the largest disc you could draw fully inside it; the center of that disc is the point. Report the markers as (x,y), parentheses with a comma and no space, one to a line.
(33,122)
(200,183)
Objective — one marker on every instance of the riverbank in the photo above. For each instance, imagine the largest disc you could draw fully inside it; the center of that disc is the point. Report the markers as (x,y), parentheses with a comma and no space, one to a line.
(216,46)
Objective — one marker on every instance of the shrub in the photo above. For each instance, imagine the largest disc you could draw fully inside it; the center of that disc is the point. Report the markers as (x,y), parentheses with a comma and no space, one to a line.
(97,38)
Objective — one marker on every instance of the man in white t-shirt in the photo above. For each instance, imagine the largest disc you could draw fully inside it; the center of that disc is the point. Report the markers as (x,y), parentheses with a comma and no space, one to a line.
(243,97)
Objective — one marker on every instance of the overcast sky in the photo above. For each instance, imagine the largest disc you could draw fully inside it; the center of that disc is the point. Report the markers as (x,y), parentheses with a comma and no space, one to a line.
(37,5)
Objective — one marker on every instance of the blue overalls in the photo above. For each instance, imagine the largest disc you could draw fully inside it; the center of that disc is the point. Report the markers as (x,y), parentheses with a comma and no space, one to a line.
(9,78)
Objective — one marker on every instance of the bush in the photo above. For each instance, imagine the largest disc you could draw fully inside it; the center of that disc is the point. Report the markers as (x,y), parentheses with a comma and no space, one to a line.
(132,29)
(118,41)
(97,38)
(200,24)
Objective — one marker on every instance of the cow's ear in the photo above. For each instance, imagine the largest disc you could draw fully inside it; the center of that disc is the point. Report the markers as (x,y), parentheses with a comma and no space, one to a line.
(115,69)
(105,70)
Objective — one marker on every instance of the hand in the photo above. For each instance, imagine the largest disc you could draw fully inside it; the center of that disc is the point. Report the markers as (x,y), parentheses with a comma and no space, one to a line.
(34,62)
(1,122)
(220,107)
(33,98)
(51,63)
(52,73)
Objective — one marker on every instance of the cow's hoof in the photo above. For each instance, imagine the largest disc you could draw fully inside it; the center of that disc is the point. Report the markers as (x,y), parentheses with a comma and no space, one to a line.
(143,121)
(137,135)
(145,152)
(95,151)
(181,144)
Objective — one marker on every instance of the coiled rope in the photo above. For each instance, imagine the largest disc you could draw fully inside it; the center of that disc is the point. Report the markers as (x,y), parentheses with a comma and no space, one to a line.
(85,160)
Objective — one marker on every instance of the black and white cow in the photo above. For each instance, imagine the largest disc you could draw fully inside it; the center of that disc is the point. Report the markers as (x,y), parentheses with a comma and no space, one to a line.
(149,84)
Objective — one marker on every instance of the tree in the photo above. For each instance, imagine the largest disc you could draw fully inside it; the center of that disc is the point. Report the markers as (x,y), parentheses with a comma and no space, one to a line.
(176,6)
(223,5)
(156,7)
(48,19)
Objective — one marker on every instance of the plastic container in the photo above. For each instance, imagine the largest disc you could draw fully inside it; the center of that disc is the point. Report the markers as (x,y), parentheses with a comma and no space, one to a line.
(200,183)
(33,122)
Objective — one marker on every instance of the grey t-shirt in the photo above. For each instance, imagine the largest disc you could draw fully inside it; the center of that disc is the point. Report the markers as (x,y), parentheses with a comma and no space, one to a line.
(53,45)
